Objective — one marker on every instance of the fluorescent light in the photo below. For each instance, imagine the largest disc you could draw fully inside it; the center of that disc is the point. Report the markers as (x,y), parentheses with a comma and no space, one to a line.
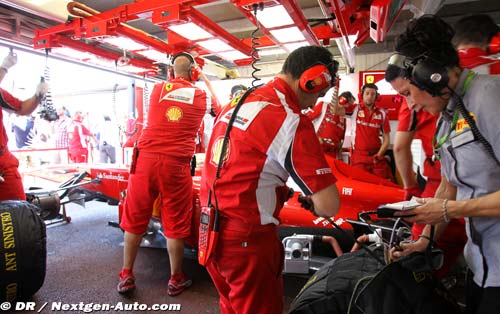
(285,35)
(232,55)
(292,46)
(272,51)
(131,68)
(215,45)
(274,17)
(154,55)
(103,62)
(68,52)
(190,31)
(124,43)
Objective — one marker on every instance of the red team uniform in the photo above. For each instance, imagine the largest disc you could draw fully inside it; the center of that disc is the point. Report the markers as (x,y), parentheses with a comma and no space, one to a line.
(366,129)
(331,131)
(453,239)
(76,150)
(12,186)
(270,140)
(163,155)
(479,60)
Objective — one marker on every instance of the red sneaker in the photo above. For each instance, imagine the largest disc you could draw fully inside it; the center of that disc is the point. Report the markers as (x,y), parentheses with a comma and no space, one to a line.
(126,284)
(175,287)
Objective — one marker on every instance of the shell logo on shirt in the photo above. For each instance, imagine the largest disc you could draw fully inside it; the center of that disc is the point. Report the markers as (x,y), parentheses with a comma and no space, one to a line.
(217,150)
(174,114)
(462,123)
(361,114)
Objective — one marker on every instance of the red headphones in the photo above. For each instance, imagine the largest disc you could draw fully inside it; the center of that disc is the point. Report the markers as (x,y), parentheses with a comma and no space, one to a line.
(193,72)
(315,78)
(494,46)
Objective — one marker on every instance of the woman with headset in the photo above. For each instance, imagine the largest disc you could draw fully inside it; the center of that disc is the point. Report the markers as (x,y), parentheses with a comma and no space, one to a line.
(467,141)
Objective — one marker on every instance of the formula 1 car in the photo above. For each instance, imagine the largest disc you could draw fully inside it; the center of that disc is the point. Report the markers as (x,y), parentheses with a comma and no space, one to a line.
(359,191)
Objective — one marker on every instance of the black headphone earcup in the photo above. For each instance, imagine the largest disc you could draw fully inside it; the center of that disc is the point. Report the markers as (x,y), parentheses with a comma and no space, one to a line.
(309,85)
(430,77)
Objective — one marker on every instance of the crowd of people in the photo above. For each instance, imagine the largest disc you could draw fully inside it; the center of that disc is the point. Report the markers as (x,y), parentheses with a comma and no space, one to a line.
(279,130)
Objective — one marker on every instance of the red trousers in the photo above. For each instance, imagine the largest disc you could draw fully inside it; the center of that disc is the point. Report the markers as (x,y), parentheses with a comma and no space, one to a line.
(246,270)
(12,186)
(363,160)
(79,155)
(156,174)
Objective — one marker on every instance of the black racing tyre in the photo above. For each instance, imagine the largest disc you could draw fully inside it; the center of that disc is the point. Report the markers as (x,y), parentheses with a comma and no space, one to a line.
(23,251)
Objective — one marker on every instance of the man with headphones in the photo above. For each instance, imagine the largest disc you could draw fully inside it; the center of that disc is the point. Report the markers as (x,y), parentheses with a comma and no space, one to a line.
(467,142)
(161,167)
(477,39)
(269,141)
(368,124)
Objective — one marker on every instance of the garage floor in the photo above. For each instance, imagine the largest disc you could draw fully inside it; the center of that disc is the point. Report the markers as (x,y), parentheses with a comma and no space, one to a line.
(84,258)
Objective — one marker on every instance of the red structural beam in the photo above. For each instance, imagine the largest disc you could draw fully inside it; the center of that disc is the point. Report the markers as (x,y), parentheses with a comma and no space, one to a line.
(218,32)
(300,21)
(80,46)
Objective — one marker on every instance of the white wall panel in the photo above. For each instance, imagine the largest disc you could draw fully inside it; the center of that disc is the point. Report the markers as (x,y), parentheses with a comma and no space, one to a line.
(375,61)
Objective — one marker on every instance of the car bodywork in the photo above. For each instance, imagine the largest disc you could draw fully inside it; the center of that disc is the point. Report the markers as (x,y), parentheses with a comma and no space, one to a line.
(359,191)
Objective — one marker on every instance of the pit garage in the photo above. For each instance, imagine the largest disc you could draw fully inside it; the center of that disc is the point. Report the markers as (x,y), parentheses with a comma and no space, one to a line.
(98,63)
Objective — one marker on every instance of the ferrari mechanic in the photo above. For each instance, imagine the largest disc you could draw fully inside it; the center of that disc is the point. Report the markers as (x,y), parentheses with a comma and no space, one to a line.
(270,141)
(161,166)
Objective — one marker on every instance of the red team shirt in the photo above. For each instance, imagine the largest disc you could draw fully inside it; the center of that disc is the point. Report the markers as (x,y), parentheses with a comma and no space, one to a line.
(170,102)
(9,103)
(332,126)
(12,187)
(367,127)
(478,60)
(424,124)
(78,130)
(274,140)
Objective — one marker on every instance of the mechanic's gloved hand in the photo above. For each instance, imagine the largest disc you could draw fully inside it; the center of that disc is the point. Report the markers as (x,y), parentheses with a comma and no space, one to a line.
(413,191)
(377,158)
(41,89)
(306,203)
(9,61)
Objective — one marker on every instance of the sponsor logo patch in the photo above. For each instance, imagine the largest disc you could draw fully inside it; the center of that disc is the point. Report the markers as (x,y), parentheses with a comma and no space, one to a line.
(346,191)
(462,124)
(217,150)
(174,114)
(323,171)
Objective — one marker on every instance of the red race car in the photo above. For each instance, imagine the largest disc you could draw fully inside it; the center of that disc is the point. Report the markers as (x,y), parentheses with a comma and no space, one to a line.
(360,191)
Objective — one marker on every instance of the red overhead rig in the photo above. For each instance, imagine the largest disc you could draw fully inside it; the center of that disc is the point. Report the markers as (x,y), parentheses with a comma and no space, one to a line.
(288,8)
(283,23)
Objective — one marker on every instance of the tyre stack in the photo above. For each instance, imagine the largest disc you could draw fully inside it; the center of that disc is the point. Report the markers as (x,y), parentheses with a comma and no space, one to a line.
(23,251)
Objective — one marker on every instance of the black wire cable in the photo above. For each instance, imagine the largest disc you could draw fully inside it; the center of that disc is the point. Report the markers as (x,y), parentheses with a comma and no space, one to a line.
(255,43)
(361,244)
(47,110)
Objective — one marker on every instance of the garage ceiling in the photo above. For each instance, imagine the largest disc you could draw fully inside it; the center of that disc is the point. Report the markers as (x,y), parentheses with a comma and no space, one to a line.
(20,18)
